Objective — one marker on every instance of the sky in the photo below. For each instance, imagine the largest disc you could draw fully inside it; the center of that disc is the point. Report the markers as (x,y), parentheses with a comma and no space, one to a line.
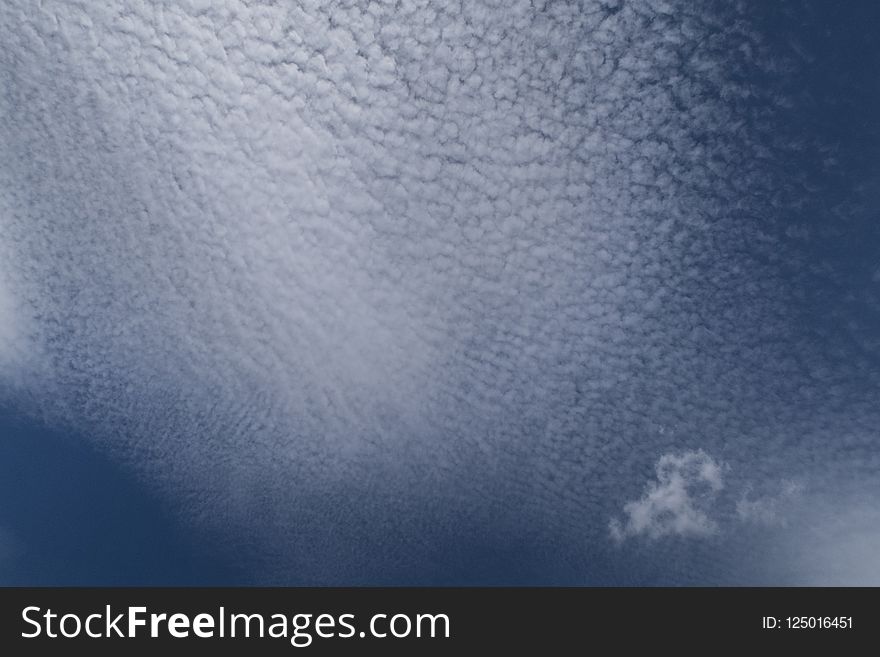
(355,293)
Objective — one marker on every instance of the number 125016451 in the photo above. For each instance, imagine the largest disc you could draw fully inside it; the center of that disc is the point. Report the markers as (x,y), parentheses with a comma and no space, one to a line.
(807,622)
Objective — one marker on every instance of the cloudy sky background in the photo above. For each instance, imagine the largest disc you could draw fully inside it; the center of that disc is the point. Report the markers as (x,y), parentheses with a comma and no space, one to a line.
(439,293)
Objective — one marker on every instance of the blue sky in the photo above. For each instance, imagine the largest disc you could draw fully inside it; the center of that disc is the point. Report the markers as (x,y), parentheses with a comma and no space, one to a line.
(358,293)
(73,517)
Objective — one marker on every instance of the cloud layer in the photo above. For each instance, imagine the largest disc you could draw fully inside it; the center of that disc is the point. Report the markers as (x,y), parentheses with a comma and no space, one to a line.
(389,275)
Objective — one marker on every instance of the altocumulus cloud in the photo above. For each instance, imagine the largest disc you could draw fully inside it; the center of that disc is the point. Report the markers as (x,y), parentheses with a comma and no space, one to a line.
(366,289)
(14,346)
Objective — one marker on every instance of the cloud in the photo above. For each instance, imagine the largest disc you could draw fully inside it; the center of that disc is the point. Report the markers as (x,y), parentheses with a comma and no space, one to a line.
(13,345)
(335,274)
(678,503)
(684,500)
(770,509)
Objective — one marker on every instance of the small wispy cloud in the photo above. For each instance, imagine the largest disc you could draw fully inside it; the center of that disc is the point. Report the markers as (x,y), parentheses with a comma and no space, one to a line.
(678,502)
(684,501)
(769,509)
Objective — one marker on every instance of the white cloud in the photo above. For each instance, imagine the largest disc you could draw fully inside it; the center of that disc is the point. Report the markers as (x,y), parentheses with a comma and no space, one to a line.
(684,500)
(772,509)
(678,503)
